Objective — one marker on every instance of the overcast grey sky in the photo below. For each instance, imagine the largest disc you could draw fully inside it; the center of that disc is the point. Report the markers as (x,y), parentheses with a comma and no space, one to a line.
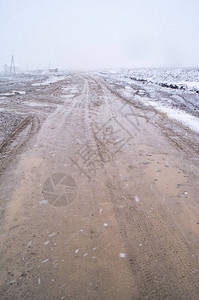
(100,33)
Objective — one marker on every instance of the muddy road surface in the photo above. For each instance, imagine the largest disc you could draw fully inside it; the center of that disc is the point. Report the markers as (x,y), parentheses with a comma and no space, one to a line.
(98,199)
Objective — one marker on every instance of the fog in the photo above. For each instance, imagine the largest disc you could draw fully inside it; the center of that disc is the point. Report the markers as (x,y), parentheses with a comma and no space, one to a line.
(89,34)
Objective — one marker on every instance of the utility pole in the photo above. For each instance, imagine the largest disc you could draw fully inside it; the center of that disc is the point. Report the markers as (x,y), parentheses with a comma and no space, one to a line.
(12,65)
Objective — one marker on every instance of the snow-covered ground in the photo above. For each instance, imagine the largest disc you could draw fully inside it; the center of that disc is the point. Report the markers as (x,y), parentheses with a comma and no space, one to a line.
(174,92)
(179,78)
(51,79)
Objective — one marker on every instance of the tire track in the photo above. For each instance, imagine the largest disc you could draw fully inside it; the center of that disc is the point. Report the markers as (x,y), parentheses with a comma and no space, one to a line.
(153,250)
(16,141)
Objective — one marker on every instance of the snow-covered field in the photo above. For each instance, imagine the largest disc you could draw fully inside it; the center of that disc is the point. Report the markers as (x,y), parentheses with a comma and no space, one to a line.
(174,92)
(177,78)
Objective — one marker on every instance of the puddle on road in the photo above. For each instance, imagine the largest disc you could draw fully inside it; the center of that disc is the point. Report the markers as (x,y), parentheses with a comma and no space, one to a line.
(29,162)
(166,178)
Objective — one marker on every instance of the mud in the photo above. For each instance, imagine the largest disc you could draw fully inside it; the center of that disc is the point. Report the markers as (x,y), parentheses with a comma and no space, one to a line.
(100,201)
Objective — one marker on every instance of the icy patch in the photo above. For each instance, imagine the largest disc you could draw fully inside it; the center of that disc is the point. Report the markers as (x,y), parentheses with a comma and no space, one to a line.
(46,243)
(77,250)
(105,224)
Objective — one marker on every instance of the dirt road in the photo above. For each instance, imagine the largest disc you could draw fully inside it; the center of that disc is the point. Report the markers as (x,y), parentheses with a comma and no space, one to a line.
(100,203)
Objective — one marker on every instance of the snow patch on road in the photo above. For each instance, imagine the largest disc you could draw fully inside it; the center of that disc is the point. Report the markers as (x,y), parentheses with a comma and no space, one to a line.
(50,80)
(35,104)
(13,93)
(43,202)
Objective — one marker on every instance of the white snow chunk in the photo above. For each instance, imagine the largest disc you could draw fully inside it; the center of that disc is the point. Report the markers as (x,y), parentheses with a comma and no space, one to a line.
(137,199)
(11,282)
(45,260)
(43,202)
(20,92)
(29,243)
(52,234)
(123,255)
